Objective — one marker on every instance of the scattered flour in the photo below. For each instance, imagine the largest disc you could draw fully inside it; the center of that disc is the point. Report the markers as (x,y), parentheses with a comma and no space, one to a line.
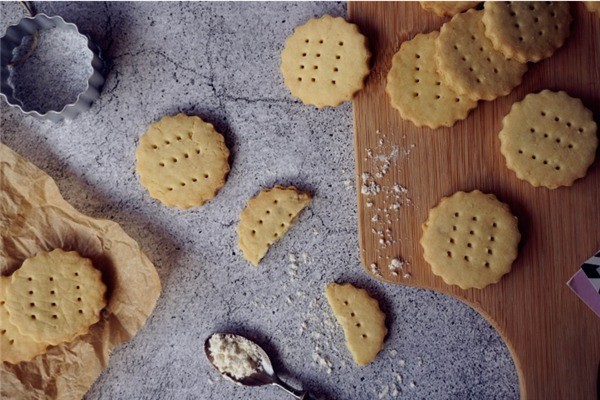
(375,270)
(322,361)
(385,391)
(379,161)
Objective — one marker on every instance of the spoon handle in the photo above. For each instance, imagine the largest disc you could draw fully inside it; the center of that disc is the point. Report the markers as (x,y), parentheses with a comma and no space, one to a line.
(298,394)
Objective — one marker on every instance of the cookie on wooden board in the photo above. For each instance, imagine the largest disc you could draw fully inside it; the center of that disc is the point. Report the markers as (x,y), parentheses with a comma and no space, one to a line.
(416,90)
(448,8)
(182,161)
(527,30)
(468,62)
(470,239)
(267,217)
(549,139)
(325,61)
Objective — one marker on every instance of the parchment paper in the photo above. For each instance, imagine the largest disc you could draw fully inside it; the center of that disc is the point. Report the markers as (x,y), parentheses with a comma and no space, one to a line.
(34,217)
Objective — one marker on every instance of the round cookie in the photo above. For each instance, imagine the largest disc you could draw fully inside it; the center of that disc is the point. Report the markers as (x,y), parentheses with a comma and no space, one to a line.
(182,161)
(527,30)
(416,90)
(448,8)
(468,62)
(14,346)
(470,239)
(549,139)
(325,61)
(55,297)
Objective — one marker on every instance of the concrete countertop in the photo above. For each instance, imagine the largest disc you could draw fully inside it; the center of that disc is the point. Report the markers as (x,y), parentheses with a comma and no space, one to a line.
(221,61)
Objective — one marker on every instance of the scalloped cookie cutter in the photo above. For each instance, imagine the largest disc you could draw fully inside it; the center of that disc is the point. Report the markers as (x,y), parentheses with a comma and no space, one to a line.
(28,26)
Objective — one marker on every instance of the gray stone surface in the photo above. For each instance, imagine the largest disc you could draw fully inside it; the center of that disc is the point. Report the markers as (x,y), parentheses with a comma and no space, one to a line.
(221,61)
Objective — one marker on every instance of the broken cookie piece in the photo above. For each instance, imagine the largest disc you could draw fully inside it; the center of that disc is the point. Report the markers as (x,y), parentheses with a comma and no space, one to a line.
(267,217)
(361,318)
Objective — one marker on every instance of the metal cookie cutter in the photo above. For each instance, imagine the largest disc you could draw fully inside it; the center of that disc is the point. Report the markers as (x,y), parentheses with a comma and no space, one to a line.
(29,26)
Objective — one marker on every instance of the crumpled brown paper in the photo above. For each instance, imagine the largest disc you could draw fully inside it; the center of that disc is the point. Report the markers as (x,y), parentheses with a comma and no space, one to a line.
(34,217)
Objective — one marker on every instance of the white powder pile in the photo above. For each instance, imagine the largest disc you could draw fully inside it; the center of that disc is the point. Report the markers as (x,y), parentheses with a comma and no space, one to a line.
(235,355)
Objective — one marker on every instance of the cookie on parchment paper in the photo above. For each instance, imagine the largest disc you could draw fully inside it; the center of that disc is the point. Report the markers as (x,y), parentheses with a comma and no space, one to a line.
(14,346)
(448,8)
(468,62)
(267,217)
(182,161)
(527,30)
(470,239)
(55,296)
(325,61)
(360,317)
(549,139)
(416,90)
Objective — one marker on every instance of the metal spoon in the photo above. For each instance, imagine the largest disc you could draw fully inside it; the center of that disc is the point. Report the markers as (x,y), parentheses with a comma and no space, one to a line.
(265,376)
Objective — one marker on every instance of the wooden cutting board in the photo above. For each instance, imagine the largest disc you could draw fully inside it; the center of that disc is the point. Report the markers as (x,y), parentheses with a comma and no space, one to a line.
(552,335)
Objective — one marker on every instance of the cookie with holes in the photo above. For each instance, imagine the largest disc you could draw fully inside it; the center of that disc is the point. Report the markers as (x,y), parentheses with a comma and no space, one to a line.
(416,90)
(470,239)
(267,217)
(182,161)
(55,296)
(549,139)
(325,61)
(14,346)
(468,62)
(527,30)
(361,318)
(448,8)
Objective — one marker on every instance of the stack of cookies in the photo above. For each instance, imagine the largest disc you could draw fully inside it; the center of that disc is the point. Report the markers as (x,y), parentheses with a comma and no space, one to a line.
(436,79)
(53,298)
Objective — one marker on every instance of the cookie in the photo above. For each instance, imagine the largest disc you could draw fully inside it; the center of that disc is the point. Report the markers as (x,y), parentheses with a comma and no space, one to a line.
(470,239)
(549,139)
(55,297)
(325,61)
(267,217)
(182,161)
(448,8)
(468,62)
(416,90)
(593,7)
(14,347)
(527,30)
(360,317)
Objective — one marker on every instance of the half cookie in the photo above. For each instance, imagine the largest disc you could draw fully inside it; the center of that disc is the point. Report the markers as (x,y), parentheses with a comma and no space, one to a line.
(361,318)
(267,217)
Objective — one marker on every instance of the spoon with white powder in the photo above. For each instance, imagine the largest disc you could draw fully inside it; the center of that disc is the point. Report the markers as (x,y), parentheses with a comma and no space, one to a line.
(244,362)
